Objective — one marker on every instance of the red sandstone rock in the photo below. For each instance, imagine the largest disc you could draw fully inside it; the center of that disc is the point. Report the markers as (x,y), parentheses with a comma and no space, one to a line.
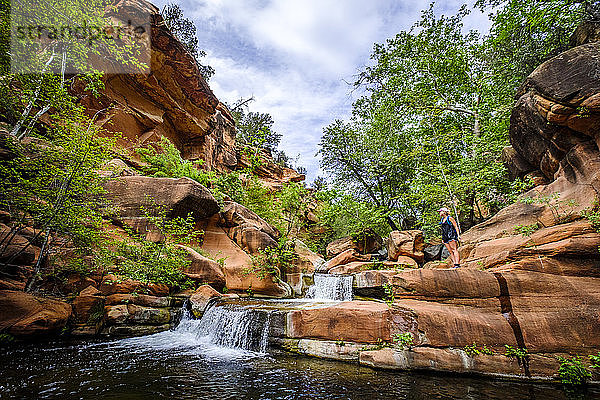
(338,246)
(84,306)
(131,194)
(238,274)
(203,269)
(172,100)
(139,299)
(345,257)
(201,297)
(247,229)
(356,321)
(406,243)
(24,315)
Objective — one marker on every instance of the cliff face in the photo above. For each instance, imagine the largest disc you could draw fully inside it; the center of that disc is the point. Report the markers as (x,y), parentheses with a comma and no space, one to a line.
(173,100)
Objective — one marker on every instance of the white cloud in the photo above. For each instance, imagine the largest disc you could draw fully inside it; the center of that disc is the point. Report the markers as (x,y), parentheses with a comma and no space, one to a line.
(293,56)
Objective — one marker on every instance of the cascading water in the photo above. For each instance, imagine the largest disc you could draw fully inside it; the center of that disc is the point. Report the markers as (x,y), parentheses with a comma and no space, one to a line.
(230,325)
(331,287)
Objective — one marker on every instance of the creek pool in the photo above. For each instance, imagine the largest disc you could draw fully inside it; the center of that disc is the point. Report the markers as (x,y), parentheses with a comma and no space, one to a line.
(181,365)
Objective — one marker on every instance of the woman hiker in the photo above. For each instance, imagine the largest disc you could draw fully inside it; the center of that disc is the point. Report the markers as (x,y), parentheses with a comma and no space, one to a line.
(450,236)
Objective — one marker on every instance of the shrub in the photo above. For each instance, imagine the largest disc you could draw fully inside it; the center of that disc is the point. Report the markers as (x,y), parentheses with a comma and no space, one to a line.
(572,372)
(403,340)
(520,353)
(472,350)
(389,293)
(595,360)
(273,261)
(153,262)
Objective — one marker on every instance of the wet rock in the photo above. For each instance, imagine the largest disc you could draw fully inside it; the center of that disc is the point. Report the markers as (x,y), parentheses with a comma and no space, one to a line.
(456,360)
(200,299)
(24,315)
(134,330)
(137,315)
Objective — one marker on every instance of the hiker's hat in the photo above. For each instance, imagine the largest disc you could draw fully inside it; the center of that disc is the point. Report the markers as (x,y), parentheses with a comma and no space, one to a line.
(444,209)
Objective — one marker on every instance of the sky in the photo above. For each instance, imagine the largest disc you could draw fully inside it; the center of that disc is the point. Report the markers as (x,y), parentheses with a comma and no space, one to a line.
(298,58)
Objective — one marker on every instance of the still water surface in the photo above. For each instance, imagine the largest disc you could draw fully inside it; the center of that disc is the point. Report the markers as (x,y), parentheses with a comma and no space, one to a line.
(181,365)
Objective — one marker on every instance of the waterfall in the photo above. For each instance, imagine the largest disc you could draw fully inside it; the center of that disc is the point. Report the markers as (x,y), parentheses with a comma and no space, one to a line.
(331,287)
(230,325)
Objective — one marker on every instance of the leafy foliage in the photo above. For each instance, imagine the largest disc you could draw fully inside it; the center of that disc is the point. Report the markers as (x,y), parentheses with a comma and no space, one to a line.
(403,340)
(388,289)
(148,261)
(163,159)
(273,261)
(433,121)
(572,372)
(474,350)
(520,353)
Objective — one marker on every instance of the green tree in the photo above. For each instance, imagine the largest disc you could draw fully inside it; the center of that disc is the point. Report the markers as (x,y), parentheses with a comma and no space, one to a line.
(255,129)
(53,148)
(184,29)
(434,119)
(526,33)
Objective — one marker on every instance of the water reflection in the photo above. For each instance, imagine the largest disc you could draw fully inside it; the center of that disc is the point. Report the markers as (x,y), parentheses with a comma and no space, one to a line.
(183,366)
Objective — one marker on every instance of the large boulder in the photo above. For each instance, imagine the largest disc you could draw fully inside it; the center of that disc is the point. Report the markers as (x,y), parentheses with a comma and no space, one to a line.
(354,321)
(129,196)
(238,266)
(305,260)
(347,256)
(24,315)
(200,299)
(203,269)
(366,242)
(247,229)
(341,245)
(406,243)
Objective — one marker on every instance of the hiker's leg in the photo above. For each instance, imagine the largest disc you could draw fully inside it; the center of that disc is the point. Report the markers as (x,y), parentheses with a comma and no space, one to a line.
(449,247)
(456,256)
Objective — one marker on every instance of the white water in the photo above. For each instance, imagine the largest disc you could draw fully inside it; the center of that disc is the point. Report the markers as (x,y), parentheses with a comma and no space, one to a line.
(224,332)
(331,287)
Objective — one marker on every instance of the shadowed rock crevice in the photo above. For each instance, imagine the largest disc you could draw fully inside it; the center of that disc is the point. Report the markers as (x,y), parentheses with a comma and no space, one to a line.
(507,312)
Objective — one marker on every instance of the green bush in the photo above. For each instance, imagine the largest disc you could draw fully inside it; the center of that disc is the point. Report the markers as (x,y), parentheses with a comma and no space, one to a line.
(520,353)
(572,372)
(403,340)
(153,262)
(388,289)
(273,261)
(595,360)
